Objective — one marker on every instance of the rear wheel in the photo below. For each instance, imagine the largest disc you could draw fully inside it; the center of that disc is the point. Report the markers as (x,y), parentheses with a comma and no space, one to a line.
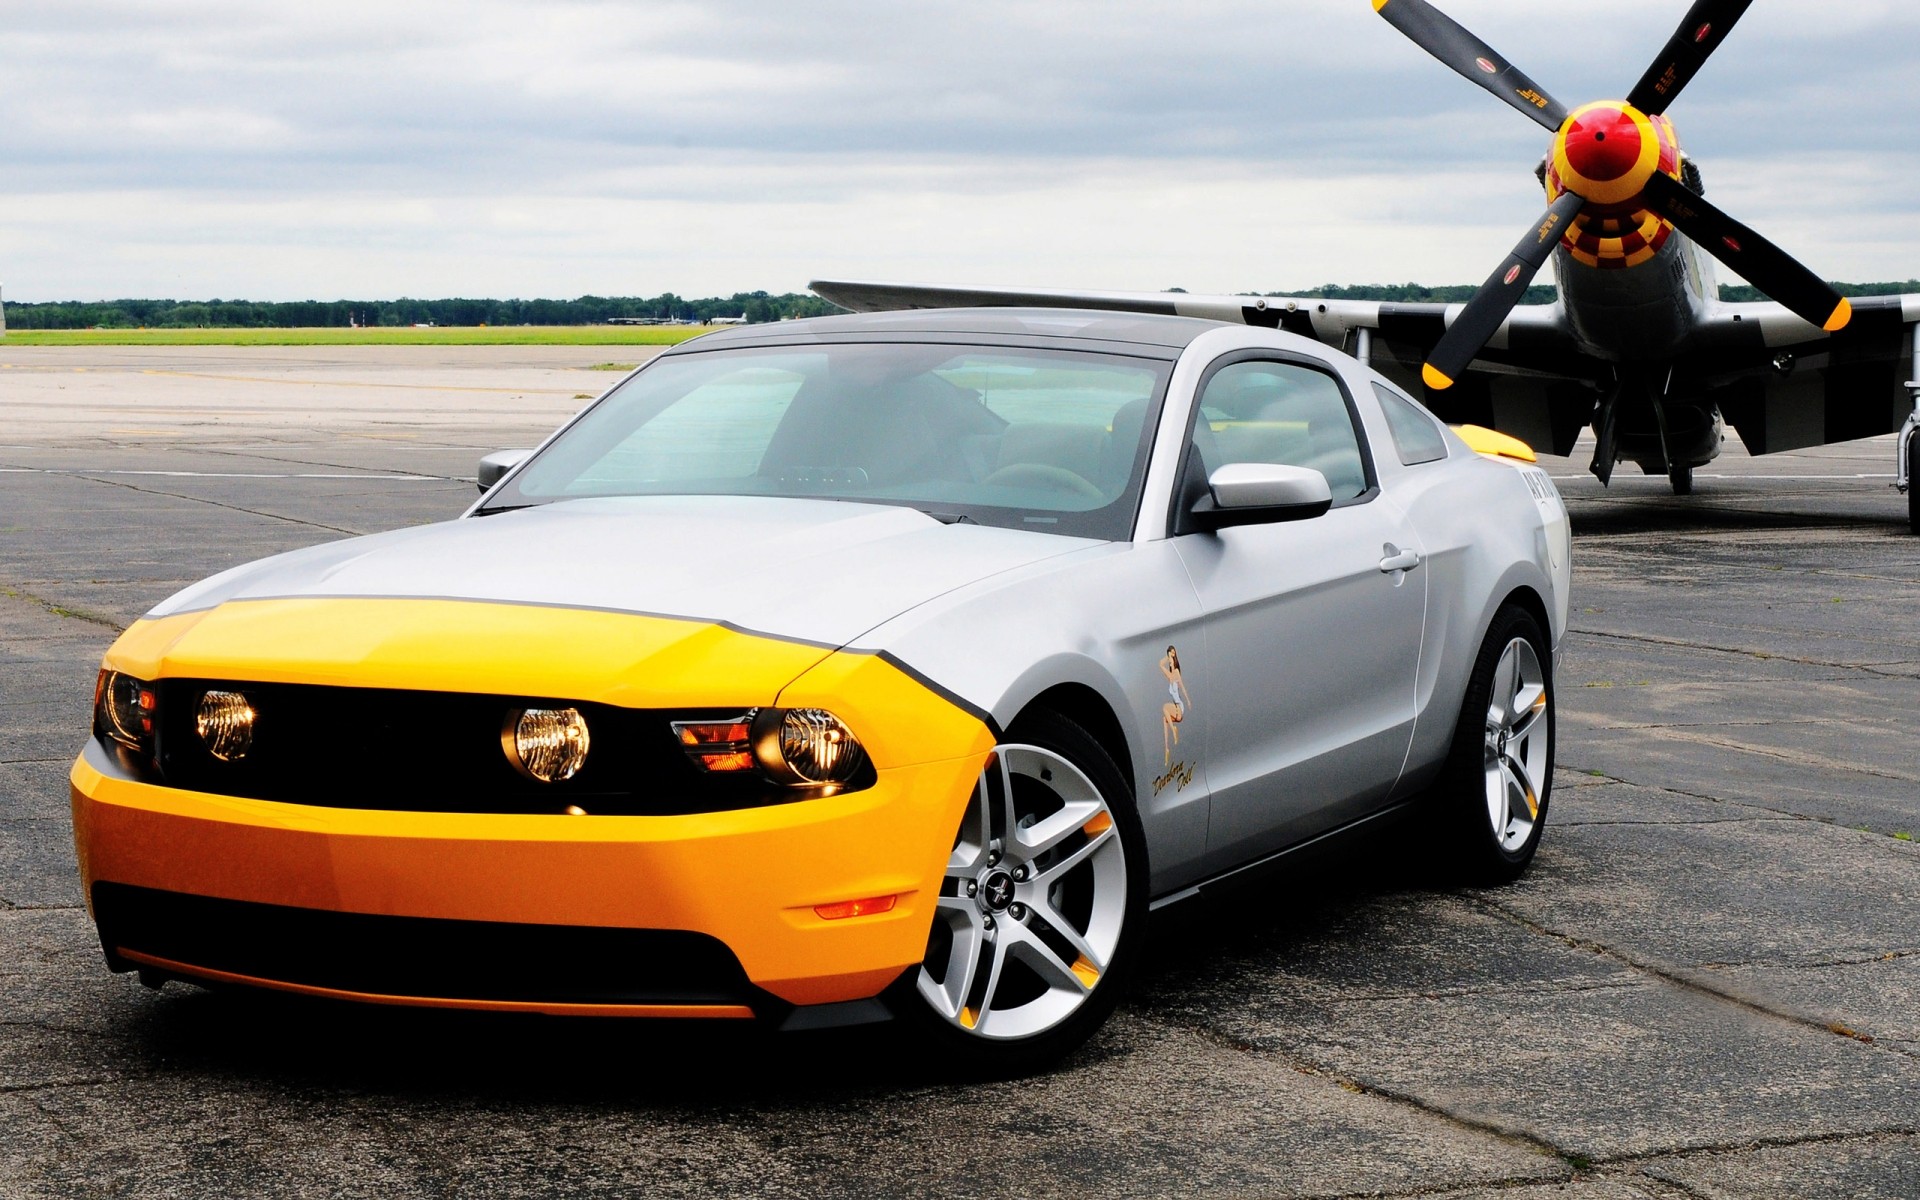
(1913,481)
(1494,791)
(1680,475)
(1042,906)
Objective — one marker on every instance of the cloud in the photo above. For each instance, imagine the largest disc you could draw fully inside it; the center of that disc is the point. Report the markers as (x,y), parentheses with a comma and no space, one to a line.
(362,148)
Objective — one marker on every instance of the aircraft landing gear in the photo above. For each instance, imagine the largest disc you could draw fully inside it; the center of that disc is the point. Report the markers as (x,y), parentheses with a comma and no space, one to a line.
(1680,475)
(1909,455)
(1606,451)
(1909,444)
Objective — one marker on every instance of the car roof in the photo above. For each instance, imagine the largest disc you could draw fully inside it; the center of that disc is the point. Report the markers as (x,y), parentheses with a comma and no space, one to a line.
(1161,336)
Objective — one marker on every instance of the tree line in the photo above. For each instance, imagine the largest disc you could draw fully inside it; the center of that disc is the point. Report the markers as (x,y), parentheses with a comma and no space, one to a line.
(756,307)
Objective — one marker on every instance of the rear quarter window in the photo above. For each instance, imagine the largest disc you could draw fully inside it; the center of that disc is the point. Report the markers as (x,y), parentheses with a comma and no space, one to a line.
(1416,434)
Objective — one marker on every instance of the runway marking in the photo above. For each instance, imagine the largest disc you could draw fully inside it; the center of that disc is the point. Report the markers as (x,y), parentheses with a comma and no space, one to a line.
(229,474)
(348,383)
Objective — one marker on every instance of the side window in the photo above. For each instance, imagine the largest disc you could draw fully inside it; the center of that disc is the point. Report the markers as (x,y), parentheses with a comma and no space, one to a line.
(1416,435)
(1269,412)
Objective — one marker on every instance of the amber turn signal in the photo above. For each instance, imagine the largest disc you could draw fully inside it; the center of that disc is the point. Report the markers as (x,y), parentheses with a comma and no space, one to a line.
(868,907)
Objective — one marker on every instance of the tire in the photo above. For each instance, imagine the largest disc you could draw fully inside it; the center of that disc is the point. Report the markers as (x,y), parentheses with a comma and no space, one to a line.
(1036,932)
(1913,481)
(1492,800)
(1680,475)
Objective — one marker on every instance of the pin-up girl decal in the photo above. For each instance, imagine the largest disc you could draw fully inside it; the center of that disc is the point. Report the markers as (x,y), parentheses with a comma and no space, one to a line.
(1175,710)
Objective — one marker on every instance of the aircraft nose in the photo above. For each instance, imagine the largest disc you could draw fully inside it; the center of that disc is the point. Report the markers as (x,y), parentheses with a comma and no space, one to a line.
(1606,152)
(1602,144)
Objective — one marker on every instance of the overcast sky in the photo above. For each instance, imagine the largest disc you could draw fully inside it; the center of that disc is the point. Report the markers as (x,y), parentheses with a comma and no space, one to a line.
(203,148)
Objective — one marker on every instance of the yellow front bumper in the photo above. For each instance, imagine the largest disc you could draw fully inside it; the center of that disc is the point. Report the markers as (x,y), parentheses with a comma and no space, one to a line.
(750,878)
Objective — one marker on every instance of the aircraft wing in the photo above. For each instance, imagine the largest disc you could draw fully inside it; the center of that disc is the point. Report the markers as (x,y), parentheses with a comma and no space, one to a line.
(1532,380)
(1535,339)
(1783,384)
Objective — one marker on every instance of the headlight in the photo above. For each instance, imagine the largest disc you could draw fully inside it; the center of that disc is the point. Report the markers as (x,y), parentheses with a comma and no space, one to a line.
(813,745)
(793,747)
(124,709)
(547,744)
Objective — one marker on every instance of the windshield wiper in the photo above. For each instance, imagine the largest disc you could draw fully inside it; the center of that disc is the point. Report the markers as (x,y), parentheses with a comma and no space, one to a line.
(948,518)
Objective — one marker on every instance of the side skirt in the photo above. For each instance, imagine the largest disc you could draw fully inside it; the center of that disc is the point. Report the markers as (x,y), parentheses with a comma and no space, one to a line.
(1293,855)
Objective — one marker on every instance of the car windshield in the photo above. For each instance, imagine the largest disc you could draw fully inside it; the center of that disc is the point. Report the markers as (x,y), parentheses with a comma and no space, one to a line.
(1053,440)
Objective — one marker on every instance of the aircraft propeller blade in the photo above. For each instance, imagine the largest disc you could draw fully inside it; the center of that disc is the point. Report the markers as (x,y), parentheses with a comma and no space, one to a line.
(1490,305)
(1763,264)
(1445,39)
(1701,31)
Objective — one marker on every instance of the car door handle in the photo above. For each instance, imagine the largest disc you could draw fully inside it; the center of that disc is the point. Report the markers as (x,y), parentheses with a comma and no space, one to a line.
(1397,559)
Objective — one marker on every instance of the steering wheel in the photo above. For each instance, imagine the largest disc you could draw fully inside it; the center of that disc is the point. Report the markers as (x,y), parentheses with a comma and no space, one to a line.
(1045,475)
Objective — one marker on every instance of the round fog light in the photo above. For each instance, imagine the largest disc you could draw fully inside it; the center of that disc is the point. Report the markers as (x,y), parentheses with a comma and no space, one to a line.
(224,722)
(547,744)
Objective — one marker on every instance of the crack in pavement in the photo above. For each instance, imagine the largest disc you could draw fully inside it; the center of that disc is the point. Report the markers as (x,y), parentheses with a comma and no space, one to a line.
(1579,1174)
(218,504)
(1576,823)
(1630,1168)
(1764,656)
(1537,988)
(72,1142)
(1307,1066)
(73,614)
(1686,979)
(91,1081)
(1862,961)
(1765,1143)
(1631,725)
(308,462)
(1784,814)
(1798,758)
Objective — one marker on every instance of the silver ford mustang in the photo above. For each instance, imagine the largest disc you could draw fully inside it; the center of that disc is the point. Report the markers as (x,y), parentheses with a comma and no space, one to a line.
(816,674)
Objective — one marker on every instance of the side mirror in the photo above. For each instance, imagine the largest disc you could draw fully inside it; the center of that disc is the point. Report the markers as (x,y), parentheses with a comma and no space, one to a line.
(1260,494)
(497,464)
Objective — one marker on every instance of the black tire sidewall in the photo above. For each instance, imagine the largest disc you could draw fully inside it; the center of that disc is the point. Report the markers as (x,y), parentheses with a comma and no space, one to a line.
(1913,481)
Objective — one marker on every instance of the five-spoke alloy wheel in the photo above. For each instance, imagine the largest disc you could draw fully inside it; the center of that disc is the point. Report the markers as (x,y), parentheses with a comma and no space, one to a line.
(1041,902)
(1493,794)
(1517,745)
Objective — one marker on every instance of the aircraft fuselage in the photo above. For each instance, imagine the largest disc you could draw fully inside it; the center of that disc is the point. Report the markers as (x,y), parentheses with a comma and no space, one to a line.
(1635,290)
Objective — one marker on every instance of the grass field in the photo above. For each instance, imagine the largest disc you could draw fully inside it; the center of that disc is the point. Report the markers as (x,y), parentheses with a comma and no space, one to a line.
(505,335)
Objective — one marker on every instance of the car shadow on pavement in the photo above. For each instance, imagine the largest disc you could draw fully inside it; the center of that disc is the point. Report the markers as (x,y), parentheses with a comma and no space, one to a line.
(249,1037)
(440,1053)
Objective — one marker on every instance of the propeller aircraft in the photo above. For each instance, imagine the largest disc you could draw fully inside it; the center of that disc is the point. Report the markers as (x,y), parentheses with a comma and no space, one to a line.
(1638,344)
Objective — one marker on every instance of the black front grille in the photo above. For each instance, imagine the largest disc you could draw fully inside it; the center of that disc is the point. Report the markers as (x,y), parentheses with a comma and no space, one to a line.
(440,752)
(423,956)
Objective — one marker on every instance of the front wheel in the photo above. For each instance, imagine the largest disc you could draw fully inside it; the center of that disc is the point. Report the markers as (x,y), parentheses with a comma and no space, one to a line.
(1494,791)
(1042,906)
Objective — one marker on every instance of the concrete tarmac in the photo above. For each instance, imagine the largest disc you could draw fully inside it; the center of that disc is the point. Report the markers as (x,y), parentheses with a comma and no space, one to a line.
(1707,986)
